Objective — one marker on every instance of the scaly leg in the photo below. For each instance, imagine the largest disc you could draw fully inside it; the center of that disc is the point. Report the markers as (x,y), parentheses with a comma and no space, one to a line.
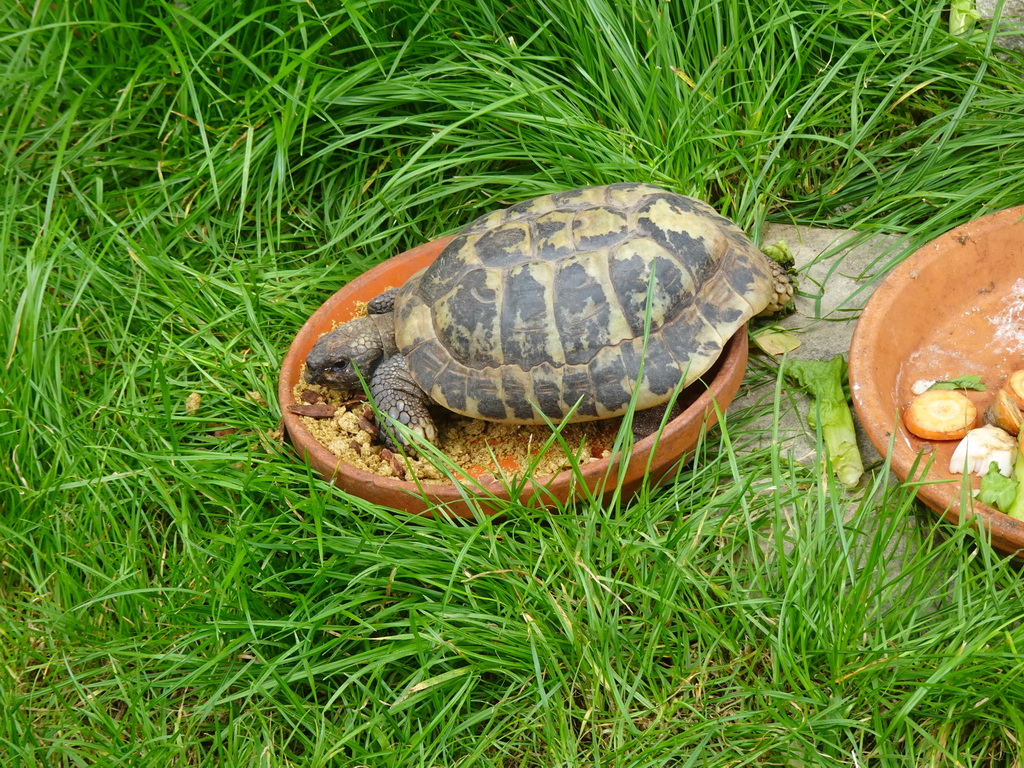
(382,304)
(647,421)
(399,399)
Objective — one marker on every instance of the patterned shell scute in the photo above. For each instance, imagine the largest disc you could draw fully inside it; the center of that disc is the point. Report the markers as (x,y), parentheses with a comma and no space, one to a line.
(572,301)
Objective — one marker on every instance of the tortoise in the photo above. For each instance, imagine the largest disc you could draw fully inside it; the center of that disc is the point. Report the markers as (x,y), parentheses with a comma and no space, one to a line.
(557,308)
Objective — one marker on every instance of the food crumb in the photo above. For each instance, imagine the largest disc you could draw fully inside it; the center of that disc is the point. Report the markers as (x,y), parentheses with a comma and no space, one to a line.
(482,449)
(921,386)
(192,403)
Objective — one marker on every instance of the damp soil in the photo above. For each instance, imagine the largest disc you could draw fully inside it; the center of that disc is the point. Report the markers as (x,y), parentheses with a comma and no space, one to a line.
(344,426)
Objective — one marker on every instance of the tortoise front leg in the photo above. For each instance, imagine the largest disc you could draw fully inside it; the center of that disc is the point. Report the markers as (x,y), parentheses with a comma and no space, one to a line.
(400,400)
(383,303)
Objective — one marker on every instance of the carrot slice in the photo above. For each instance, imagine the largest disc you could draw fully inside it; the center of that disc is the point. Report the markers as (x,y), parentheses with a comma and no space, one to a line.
(940,414)
(1015,386)
(1004,413)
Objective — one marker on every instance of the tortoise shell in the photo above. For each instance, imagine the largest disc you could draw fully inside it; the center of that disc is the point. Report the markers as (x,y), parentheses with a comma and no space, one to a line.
(576,299)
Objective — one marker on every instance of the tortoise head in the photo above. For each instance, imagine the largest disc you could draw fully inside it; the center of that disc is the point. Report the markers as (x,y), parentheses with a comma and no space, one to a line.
(340,357)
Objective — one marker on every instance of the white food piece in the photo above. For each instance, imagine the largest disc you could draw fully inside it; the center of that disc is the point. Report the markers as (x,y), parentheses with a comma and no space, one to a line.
(980,447)
(921,386)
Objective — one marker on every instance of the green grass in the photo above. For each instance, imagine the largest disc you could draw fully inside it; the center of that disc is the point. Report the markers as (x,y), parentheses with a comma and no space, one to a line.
(183,183)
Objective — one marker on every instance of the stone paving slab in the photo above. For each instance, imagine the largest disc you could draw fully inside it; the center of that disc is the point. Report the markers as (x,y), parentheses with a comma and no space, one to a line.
(1011,20)
(836,269)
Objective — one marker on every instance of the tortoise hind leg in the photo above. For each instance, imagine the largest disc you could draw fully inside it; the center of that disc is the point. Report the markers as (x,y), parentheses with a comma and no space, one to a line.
(784,290)
(647,421)
(400,401)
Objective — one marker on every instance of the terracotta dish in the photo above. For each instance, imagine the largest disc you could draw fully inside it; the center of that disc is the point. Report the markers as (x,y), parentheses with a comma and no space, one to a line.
(953,308)
(601,476)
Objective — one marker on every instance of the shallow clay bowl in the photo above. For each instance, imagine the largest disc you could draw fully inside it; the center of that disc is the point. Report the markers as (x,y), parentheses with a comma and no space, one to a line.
(679,437)
(955,307)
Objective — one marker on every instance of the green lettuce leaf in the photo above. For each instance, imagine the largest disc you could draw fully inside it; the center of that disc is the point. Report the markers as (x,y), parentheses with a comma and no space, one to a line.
(996,490)
(960,382)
